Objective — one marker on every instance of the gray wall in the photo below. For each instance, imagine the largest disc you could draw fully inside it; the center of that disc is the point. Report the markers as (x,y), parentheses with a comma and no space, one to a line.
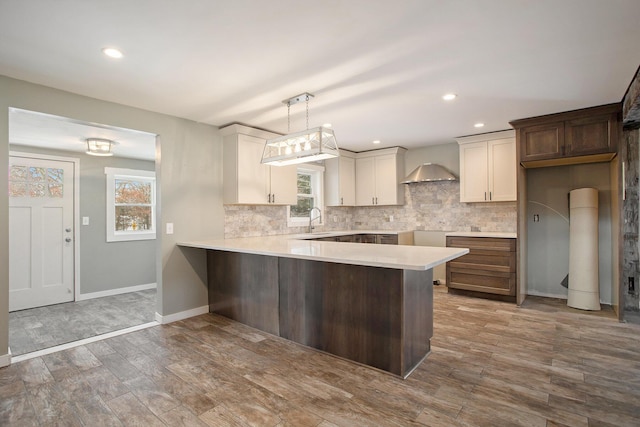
(105,266)
(189,176)
(548,239)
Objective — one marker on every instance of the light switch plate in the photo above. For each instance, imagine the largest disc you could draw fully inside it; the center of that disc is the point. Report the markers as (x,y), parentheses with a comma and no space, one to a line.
(85,220)
(169,228)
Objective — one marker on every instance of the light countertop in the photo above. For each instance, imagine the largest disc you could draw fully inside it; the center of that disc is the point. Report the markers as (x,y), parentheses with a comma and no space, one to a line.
(373,255)
(497,235)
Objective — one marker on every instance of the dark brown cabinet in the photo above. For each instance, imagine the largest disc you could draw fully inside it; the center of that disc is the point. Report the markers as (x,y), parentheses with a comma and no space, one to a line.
(400,238)
(580,136)
(489,267)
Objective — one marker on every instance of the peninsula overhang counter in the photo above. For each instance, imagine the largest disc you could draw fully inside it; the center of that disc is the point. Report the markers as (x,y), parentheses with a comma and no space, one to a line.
(372,304)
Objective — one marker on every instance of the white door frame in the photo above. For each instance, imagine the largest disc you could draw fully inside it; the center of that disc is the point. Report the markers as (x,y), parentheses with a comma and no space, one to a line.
(76,209)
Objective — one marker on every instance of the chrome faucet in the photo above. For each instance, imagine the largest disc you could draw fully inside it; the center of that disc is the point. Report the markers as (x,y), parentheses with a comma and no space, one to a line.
(311,219)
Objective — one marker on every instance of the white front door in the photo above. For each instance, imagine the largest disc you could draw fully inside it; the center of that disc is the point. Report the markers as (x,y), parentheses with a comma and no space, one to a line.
(41,248)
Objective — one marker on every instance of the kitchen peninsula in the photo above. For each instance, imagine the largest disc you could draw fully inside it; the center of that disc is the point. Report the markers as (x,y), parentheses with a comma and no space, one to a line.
(369,303)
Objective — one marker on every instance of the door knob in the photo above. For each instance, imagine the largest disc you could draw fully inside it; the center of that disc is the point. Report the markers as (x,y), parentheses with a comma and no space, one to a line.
(68,230)
(68,239)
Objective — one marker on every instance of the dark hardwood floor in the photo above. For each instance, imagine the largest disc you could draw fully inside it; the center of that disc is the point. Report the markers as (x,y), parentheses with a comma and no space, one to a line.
(492,364)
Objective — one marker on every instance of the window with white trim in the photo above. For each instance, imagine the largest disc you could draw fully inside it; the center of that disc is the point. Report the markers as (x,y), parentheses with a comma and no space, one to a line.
(131,204)
(310,191)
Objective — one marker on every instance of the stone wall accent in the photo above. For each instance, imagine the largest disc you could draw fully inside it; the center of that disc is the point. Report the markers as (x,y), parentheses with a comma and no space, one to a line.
(630,258)
(631,104)
(429,206)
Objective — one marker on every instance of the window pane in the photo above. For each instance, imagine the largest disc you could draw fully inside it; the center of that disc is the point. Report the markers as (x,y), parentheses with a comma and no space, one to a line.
(55,176)
(37,174)
(133,218)
(301,210)
(304,183)
(37,189)
(132,192)
(18,173)
(55,190)
(17,189)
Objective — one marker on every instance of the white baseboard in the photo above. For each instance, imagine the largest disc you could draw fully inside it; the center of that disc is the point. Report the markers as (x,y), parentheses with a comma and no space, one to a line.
(181,315)
(117,291)
(5,359)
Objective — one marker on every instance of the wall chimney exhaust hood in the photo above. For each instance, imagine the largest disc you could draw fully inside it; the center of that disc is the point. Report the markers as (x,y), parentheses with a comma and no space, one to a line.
(429,172)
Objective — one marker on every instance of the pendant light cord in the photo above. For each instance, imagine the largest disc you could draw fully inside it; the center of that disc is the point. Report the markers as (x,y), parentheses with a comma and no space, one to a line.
(307,112)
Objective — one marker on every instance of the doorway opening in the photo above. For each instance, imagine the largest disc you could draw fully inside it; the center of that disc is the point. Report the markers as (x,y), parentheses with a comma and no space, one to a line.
(68,281)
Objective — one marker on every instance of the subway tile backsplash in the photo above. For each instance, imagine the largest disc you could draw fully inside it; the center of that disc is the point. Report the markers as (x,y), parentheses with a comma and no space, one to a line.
(429,206)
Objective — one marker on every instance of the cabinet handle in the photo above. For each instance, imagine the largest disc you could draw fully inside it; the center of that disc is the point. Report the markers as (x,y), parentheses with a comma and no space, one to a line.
(373,200)
(490,196)
(376,200)
(269,198)
(485,195)
(273,198)
(341,201)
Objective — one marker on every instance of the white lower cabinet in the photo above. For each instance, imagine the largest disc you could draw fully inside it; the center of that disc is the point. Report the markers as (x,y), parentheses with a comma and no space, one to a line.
(488,167)
(245,179)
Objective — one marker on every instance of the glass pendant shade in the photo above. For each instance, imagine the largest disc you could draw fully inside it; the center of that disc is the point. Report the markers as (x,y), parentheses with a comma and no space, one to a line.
(301,147)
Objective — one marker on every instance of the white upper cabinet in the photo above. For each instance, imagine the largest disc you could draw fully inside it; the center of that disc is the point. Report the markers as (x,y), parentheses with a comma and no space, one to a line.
(488,167)
(340,180)
(245,179)
(378,176)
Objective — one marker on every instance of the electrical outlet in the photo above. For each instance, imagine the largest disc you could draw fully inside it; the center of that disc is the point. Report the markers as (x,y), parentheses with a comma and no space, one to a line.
(632,285)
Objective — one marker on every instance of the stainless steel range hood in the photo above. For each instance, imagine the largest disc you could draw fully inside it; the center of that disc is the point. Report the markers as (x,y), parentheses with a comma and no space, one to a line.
(429,172)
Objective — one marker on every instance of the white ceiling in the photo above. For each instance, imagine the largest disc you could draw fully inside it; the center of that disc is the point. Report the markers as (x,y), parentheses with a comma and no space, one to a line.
(61,133)
(377,68)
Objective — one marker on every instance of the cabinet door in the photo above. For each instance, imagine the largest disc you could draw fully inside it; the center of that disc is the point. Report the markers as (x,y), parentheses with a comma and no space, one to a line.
(591,135)
(347,181)
(502,170)
(542,142)
(284,187)
(253,176)
(365,181)
(474,172)
(386,180)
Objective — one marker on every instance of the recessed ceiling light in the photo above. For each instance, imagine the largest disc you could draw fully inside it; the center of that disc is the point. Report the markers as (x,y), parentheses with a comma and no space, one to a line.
(112,52)
(326,125)
(478,125)
(377,141)
(449,96)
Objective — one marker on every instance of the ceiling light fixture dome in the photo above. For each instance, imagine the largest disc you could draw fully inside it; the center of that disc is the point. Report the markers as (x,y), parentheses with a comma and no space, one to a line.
(449,96)
(100,146)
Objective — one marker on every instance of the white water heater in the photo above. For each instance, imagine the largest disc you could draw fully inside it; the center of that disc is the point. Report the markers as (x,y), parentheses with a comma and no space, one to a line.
(584,288)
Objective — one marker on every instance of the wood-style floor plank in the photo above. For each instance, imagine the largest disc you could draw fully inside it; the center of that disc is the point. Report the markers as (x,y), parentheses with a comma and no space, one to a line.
(492,364)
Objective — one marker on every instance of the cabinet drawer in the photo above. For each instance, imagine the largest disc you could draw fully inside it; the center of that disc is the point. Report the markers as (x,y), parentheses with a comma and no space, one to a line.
(388,239)
(487,260)
(482,243)
(495,283)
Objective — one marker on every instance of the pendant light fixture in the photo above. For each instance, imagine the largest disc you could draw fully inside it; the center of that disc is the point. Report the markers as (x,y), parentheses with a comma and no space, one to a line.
(310,145)
(100,146)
